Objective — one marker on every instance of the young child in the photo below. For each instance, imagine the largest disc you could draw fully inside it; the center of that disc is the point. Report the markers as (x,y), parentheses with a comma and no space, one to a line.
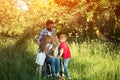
(65,53)
(41,56)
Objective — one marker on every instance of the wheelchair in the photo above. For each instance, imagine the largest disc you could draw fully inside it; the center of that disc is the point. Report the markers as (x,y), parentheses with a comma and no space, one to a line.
(46,69)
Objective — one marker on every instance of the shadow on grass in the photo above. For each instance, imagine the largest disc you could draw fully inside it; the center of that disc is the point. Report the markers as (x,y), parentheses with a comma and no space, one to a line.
(16,62)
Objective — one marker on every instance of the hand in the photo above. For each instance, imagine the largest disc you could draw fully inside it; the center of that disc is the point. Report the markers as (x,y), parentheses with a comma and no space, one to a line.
(58,56)
(52,49)
(51,56)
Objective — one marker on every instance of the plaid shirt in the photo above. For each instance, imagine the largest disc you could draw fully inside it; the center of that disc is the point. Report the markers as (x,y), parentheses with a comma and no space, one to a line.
(45,32)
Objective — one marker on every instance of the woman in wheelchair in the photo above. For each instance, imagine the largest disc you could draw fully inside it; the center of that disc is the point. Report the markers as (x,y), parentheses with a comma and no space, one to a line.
(52,56)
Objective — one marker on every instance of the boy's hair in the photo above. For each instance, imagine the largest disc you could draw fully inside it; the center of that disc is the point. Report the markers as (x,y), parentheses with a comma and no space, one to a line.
(63,36)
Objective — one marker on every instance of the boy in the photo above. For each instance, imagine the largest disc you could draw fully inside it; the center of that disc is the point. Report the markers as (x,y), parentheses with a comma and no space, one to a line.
(65,53)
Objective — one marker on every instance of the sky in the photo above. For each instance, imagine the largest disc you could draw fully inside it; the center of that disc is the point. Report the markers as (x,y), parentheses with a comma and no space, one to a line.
(22,5)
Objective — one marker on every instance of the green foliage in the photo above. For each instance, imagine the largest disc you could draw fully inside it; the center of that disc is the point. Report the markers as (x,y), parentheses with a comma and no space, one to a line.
(14,21)
(94,60)
(17,62)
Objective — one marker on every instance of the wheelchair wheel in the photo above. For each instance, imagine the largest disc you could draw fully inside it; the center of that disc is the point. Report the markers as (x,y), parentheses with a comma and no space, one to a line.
(46,70)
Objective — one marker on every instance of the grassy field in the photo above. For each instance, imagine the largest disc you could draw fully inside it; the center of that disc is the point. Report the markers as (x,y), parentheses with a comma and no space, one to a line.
(91,60)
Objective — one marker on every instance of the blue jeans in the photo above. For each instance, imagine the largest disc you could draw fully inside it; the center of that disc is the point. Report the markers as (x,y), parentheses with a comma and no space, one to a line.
(65,64)
(55,64)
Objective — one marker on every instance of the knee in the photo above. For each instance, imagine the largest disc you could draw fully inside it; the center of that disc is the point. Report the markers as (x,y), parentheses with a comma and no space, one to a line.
(65,64)
(52,61)
(58,60)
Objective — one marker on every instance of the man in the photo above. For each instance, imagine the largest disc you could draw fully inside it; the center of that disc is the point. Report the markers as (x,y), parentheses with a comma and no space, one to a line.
(48,30)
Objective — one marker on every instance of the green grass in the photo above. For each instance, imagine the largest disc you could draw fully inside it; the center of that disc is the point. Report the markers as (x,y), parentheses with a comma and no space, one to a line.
(91,60)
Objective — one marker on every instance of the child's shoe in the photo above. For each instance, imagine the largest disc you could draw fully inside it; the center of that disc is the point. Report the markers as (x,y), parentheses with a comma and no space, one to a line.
(69,78)
(58,75)
(62,75)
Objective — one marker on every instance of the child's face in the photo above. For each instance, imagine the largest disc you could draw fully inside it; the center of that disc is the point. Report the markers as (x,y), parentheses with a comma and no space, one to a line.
(63,39)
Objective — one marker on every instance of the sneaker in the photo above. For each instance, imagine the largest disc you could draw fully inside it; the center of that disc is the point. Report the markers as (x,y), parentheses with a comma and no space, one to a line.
(62,75)
(58,75)
(69,78)
(54,76)
(49,75)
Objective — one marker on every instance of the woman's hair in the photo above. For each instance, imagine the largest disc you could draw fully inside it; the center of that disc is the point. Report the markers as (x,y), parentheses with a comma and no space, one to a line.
(55,39)
(43,42)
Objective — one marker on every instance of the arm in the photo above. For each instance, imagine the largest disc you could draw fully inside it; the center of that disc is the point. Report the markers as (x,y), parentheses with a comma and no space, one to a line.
(41,35)
(53,31)
(46,52)
(61,53)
